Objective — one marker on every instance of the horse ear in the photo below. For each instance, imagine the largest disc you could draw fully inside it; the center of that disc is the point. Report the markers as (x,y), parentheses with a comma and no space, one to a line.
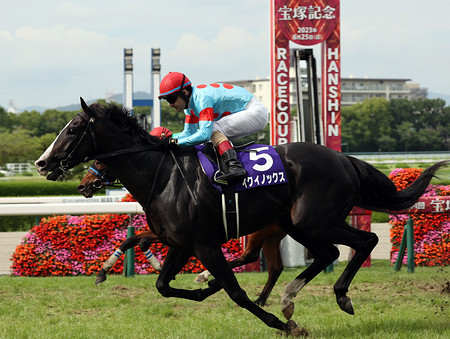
(86,108)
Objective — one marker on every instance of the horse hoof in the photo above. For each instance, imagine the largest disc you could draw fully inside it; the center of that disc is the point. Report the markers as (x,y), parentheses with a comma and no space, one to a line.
(101,277)
(200,279)
(214,285)
(260,302)
(294,330)
(345,303)
(288,309)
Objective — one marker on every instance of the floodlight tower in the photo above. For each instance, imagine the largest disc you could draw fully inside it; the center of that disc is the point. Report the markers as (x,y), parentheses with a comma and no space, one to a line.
(127,101)
(156,79)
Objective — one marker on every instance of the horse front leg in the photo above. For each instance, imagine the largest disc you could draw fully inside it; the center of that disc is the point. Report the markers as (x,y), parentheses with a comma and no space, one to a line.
(110,262)
(144,245)
(173,264)
(271,250)
(214,260)
(251,254)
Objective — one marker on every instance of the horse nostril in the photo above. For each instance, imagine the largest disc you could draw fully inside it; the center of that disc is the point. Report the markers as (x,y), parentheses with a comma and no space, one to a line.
(40,163)
(81,188)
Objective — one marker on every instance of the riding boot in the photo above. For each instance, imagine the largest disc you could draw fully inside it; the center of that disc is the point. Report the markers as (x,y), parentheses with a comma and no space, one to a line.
(235,170)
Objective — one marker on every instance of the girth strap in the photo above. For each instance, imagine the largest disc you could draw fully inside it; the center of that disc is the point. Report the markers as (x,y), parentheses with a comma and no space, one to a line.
(230,213)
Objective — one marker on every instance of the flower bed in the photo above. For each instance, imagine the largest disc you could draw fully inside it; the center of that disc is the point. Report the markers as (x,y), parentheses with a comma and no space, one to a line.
(78,245)
(431,231)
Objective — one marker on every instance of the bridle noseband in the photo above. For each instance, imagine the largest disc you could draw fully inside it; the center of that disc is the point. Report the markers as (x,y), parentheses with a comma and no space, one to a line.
(64,165)
(102,178)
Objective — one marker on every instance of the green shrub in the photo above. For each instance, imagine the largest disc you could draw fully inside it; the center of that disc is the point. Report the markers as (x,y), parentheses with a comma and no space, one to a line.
(18,223)
(402,165)
(28,189)
(379,217)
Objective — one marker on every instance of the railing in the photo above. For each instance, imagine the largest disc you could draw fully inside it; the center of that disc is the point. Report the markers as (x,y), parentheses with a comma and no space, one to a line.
(64,208)
(74,206)
(423,157)
(66,205)
(433,204)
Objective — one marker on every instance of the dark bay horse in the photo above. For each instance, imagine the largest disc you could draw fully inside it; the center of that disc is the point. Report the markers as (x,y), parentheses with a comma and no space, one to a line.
(98,177)
(185,210)
(268,238)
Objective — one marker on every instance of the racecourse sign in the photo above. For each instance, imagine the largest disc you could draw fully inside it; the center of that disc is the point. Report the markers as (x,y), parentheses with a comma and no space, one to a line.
(306,22)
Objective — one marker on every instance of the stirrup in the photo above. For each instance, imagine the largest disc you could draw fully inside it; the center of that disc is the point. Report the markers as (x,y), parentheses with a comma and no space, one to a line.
(236,175)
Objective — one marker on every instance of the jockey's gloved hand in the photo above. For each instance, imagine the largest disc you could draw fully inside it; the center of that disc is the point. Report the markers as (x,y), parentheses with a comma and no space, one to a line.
(169,143)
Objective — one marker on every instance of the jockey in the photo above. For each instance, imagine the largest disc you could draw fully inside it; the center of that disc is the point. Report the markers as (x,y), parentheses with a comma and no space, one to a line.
(216,112)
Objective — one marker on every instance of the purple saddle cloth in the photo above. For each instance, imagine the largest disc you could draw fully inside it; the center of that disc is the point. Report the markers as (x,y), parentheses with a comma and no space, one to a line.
(262,163)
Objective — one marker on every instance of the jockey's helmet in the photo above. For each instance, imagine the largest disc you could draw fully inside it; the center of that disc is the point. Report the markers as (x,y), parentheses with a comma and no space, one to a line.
(173,83)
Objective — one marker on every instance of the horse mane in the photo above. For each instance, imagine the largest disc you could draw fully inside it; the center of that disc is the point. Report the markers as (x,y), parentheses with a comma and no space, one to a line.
(122,118)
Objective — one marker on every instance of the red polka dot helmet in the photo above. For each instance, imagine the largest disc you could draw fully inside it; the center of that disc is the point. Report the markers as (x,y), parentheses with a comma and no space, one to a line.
(172,83)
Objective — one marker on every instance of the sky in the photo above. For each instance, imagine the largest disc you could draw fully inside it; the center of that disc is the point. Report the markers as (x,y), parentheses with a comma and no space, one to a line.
(54,51)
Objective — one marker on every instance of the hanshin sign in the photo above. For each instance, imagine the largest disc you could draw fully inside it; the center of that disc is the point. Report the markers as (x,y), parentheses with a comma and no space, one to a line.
(307,23)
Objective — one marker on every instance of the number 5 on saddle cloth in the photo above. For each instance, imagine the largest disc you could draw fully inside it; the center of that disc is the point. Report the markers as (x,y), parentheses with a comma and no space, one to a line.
(263,166)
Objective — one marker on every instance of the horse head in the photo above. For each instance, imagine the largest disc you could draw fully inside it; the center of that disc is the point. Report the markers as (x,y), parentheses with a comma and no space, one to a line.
(97,177)
(74,143)
(98,129)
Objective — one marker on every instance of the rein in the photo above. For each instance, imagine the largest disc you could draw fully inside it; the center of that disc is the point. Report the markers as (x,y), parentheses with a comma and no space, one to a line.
(102,179)
(65,163)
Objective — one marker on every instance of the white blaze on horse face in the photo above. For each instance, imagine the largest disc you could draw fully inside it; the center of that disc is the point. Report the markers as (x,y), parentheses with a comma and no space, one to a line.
(47,152)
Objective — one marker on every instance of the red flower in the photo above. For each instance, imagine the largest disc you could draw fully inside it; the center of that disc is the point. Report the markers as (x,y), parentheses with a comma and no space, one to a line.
(431,231)
(79,245)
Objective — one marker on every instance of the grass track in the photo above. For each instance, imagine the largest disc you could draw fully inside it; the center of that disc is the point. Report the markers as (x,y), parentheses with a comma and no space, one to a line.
(387,305)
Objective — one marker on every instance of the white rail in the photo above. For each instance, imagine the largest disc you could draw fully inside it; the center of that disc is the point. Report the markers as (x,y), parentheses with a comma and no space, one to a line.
(67,208)
(59,199)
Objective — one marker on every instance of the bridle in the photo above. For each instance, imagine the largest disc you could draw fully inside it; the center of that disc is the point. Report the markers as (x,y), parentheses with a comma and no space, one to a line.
(102,177)
(65,164)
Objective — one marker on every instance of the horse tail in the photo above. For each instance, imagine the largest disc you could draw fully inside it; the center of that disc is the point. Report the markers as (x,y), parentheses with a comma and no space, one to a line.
(378,192)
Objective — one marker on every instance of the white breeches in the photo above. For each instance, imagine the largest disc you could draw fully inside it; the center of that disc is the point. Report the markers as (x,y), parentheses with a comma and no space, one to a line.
(252,119)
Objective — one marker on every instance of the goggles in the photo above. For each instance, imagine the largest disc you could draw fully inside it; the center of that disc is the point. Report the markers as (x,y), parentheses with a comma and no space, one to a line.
(171,98)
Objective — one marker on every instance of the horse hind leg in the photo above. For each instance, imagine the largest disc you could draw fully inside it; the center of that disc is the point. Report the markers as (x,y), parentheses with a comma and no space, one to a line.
(324,254)
(214,261)
(363,243)
(144,245)
(110,262)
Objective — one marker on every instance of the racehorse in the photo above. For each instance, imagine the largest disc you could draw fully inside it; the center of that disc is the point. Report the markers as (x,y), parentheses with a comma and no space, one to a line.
(268,238)
(97,177)
(322,187)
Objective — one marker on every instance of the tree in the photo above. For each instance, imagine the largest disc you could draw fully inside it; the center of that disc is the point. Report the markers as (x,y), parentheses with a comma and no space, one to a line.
(30,121)
(17,146)
(5,120)
(366,127)
(53,121)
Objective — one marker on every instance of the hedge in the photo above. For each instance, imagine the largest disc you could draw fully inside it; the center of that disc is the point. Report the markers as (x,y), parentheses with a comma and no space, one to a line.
(28,189)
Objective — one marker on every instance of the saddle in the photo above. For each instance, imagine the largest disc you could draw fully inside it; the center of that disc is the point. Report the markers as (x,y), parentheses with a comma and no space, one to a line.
(212,155)
(263,166)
